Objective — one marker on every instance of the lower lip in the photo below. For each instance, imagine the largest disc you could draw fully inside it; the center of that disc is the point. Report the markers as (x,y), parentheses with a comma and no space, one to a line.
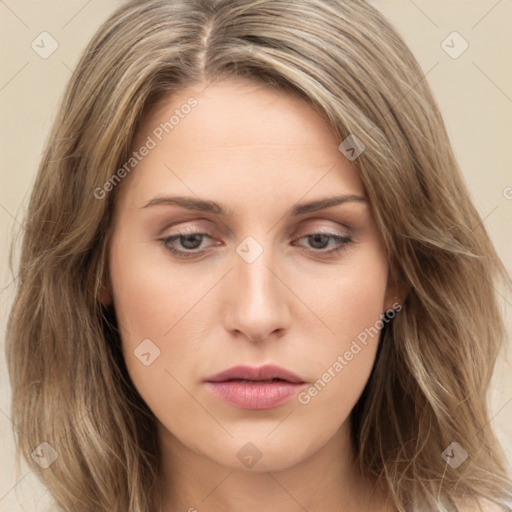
(258,395)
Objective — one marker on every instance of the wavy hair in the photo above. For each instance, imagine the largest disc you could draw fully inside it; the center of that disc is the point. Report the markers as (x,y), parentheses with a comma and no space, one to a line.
(70,386)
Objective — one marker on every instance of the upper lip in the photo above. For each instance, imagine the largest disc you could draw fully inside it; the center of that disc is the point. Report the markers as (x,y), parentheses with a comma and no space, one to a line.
(266,372)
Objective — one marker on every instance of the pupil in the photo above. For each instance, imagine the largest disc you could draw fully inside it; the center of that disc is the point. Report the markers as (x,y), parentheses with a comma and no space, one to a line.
(319,237)
(187,239)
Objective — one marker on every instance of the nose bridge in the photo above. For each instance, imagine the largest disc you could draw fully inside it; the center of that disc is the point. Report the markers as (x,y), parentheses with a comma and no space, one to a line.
(258,304)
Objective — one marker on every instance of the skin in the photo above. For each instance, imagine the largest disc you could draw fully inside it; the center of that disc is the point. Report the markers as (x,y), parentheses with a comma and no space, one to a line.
(257,152)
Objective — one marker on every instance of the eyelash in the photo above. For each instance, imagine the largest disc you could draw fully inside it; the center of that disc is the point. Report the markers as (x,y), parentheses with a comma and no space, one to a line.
(344,241)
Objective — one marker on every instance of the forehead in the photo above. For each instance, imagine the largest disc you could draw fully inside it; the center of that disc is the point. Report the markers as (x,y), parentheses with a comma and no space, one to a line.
(236,111)
(239,137)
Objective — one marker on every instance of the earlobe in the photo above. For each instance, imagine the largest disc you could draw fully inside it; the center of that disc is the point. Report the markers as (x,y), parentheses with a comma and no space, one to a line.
(103,287)
(395,294)
(105,296)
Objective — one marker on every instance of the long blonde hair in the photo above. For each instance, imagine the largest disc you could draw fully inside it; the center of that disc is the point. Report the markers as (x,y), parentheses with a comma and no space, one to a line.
(428,386)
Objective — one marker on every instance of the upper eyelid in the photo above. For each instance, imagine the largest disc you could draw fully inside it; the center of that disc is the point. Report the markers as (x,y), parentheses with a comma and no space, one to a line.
(195,228)
(352,205)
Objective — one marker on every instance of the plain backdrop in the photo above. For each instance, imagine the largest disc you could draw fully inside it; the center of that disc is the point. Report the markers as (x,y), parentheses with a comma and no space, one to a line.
(473,87)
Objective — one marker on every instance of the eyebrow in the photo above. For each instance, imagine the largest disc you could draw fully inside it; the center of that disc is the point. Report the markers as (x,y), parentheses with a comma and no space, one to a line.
(203,205)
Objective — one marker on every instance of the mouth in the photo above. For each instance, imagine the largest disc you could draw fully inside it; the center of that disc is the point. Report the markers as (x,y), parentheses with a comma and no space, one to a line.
(267,373)
(245,387)
(256,381)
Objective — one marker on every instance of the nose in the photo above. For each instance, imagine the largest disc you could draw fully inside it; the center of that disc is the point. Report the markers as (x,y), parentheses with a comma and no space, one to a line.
(257,298)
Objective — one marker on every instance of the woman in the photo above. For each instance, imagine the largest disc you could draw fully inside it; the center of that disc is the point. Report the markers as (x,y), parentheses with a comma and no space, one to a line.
(251,278)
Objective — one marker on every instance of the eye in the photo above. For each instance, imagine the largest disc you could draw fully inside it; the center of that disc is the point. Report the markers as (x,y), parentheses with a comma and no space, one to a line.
(190,243)
(319,242)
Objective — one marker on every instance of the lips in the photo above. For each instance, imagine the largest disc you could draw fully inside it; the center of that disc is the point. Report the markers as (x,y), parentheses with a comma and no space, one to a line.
(261,374)
(244,387)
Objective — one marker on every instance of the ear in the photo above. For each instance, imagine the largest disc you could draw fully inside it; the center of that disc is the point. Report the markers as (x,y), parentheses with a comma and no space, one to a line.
(103,286)
(104,293)
(105,296)
(396,292)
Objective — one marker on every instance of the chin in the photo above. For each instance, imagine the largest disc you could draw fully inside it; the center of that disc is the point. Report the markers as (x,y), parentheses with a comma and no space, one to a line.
(258,455)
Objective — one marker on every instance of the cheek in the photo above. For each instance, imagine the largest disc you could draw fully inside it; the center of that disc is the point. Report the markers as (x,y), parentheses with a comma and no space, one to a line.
(351,298)
(359,298)
(149,299)
(151,307)
(343,362)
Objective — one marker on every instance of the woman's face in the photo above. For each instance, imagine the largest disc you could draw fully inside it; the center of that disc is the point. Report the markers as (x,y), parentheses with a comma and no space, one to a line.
(267,280)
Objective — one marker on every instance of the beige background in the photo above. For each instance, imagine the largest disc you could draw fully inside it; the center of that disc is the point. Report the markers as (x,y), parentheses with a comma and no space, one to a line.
(474,92)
